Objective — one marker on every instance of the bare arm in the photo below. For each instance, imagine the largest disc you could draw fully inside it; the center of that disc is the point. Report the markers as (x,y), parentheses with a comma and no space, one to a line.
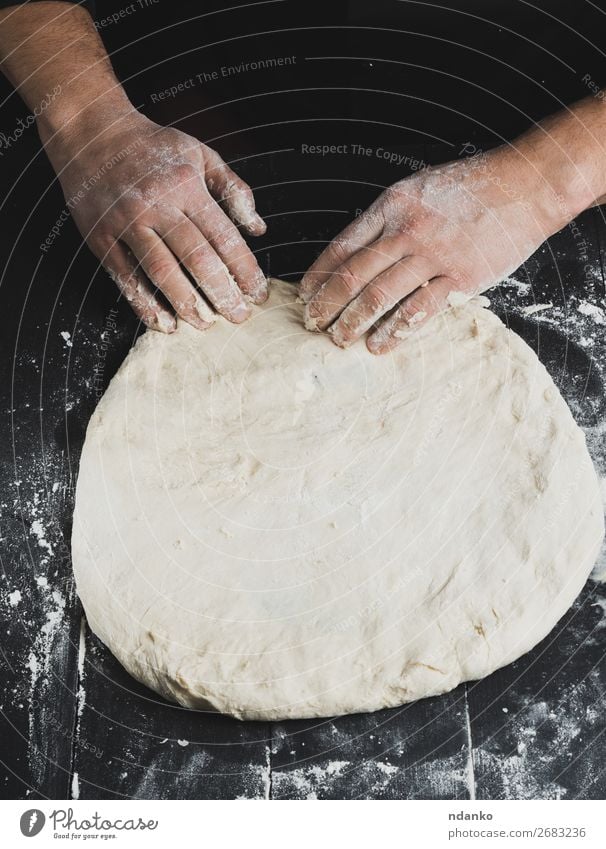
(55,45)
(459,227)
(155,205)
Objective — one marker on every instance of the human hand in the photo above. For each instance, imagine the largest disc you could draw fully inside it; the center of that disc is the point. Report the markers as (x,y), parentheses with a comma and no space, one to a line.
(157,208)
(457,228)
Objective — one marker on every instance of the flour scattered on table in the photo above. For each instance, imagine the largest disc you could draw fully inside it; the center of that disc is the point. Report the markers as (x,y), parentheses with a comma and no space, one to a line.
(597,313)
(532,760)
(39,531)
(370,777)
(535,308)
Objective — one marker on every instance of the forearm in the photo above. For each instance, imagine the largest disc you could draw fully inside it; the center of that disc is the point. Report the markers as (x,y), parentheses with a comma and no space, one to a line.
(568,152)
(53,47)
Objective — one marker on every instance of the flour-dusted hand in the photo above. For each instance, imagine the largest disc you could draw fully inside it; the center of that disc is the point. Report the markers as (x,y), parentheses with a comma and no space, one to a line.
(159,209)
(456,228)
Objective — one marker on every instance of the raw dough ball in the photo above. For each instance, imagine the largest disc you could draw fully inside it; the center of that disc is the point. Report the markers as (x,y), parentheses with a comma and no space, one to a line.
(272,527)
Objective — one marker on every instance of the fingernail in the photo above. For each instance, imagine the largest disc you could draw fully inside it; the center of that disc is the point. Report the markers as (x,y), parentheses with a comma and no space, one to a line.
(377,341)
(305,289)
(336,334)
(310,321)
(258,223)
(260,291)
(416,318)
(205,313)
(241,312)
(374,348)
(162,321)
(250,220)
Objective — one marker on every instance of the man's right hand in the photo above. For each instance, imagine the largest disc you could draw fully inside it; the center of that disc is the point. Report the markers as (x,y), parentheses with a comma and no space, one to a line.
(159,209)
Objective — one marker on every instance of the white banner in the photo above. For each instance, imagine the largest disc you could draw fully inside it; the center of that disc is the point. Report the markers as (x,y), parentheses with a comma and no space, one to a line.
(419,824)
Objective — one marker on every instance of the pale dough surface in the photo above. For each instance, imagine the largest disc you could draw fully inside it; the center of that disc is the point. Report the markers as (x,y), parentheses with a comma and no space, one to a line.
(272,527)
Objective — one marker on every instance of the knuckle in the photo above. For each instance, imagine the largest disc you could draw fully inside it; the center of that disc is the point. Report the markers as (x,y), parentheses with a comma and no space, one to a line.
(135,231)
(204,205)
(235,188)
(185,172)
(102,238)
(199,257)
(407,311)
(228,240)
(213,270)
(158,268)
(377,299)
(399,239)
(129,210)
(339,250)
(348,279)
(412,312)
(240,187)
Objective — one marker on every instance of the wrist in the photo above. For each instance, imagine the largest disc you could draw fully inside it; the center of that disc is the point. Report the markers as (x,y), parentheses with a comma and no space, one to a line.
(77,123)
(568,161)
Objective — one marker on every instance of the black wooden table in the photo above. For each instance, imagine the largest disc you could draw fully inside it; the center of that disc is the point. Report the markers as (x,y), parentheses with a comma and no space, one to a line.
(74,724)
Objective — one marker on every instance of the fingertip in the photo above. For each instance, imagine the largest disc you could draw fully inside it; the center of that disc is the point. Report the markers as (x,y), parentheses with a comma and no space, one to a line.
(375,345)
(256,226)
(305,289)
(249,220)
(163,322)
(259,296)
(259,291)
(341,344)
(239,314)
(205,317)
(310,321)
(239,319)
(336,335)
(197,314)
(196,322)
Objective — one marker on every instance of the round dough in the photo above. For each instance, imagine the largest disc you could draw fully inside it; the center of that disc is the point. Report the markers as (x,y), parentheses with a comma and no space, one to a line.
(272,527)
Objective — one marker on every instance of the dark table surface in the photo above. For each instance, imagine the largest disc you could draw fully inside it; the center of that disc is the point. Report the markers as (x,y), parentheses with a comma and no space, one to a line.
(72,722)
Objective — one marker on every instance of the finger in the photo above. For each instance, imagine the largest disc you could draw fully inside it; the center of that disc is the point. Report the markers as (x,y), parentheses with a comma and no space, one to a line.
(380,296)
(415,310)
(232,249)
(359,234)
(194,252)
(350,278)
(233,193)
(139,293)
(163,270)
